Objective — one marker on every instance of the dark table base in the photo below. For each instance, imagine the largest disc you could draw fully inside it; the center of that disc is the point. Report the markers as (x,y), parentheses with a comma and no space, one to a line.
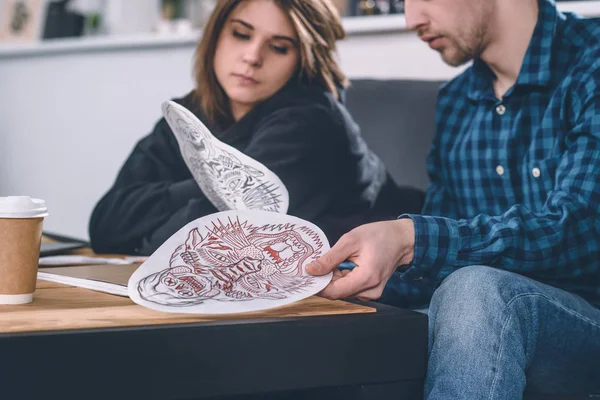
(411,390)
(379,355)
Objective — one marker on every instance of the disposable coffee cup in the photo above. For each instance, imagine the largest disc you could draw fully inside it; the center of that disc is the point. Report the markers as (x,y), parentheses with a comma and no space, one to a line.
(21,220)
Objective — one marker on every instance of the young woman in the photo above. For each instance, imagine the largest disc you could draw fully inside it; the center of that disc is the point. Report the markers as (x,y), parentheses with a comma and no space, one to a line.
(268,84)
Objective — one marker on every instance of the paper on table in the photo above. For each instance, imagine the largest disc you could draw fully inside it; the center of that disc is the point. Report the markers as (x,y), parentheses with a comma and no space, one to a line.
(81,260)
(229,178)
(232,262)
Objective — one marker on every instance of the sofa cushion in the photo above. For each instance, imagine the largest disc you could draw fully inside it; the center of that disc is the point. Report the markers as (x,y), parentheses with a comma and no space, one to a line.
(397,119)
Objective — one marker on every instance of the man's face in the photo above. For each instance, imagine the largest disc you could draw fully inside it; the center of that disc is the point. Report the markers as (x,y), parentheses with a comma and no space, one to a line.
(457,29)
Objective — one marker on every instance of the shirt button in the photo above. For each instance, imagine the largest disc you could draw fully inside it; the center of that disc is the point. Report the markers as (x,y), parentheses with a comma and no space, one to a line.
(500,109)
(500,170)
(536,172)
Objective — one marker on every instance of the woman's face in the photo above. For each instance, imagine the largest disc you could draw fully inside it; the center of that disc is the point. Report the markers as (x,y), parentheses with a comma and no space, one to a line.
(257,53)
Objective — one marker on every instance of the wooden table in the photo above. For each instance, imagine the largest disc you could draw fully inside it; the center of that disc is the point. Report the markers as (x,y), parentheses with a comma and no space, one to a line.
(73,343)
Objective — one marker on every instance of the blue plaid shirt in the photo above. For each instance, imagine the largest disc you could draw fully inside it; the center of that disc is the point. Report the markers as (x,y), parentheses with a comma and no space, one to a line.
(515,183)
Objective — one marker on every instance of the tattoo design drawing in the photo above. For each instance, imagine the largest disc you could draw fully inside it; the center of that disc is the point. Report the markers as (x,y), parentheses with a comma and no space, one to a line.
(232,262)
(230,179)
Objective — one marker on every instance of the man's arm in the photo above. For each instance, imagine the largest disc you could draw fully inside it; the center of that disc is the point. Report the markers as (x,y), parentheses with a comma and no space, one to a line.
(440,202)
(378,249)
(558,241)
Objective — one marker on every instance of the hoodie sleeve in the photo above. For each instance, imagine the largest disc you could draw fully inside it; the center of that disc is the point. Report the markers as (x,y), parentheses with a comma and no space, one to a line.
(153,196)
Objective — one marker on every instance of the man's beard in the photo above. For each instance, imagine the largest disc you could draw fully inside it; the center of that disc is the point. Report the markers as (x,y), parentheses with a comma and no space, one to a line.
(458,56)
(461,53)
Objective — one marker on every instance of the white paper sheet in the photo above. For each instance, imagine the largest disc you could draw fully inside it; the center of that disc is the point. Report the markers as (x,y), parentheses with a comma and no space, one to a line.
(232,262)
(82,260)
(99,286)
(230,179)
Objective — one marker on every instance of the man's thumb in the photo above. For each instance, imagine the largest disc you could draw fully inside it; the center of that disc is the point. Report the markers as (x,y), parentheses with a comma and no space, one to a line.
(328,261)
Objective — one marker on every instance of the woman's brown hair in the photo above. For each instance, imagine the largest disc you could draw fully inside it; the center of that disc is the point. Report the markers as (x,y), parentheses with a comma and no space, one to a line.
(318,26)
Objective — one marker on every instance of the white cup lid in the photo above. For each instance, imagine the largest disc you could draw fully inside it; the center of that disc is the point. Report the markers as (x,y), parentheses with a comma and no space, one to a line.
(22,207)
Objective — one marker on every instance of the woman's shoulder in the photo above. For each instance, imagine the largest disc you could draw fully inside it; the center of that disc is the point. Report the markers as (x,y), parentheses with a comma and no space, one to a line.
(307,96)
(313,105)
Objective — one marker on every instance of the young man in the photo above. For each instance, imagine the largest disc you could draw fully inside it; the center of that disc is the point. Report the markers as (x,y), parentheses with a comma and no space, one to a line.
(509,236)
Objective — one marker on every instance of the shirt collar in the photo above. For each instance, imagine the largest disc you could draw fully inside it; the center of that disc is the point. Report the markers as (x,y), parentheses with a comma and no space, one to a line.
(536,67)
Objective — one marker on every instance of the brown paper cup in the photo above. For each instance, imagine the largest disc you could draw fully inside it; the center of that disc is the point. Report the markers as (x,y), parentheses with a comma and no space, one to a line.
(20,240)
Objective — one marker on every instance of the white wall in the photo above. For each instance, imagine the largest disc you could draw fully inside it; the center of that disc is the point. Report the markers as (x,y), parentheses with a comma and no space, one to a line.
(67,125)
(393,55)
(70,113)
(68,121)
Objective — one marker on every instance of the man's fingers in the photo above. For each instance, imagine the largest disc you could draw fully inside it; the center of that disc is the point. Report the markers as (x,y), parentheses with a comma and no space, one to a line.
(355,281)
(337,274)
(330,260)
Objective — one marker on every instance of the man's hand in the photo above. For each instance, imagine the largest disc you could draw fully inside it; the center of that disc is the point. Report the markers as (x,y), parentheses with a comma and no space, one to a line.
(377,249)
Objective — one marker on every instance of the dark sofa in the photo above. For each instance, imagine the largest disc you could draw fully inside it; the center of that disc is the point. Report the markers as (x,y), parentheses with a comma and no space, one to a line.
(397,119)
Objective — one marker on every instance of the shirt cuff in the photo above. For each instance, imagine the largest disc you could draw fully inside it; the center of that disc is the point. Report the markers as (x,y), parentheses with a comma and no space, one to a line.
(180,193)
(437,241)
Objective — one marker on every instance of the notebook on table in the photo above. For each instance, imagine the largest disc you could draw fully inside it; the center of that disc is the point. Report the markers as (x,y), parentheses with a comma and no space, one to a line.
(53,244)
(53,248)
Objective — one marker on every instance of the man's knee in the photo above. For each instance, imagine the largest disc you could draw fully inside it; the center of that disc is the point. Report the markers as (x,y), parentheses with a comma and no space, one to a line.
(477,293)
(468,306)
(471,283)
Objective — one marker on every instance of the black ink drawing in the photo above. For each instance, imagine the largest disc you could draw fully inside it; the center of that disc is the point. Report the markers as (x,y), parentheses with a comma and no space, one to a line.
(229,179)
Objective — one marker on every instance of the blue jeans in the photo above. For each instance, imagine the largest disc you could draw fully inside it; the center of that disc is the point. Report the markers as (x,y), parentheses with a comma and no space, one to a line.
(494,334)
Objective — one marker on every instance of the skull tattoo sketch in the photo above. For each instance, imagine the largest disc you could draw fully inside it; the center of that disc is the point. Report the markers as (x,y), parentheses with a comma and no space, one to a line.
(235,261)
